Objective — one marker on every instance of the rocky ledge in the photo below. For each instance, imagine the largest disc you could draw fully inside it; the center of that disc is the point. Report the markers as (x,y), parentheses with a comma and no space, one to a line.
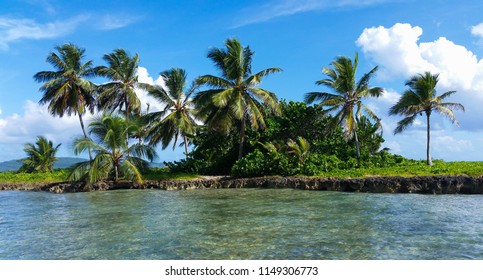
(423,185)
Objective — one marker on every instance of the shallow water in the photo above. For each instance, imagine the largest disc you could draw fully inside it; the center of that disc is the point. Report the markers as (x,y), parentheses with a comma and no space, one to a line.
(239,224)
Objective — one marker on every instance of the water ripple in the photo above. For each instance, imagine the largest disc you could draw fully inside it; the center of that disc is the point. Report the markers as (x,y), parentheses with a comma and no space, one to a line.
(239,224)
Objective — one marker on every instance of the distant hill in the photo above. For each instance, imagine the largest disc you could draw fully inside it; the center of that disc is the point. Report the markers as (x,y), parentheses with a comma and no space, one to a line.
(63,162)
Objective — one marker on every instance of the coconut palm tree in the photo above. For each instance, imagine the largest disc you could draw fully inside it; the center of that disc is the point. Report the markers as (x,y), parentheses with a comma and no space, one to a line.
(177,118)
(114,158)
(234,98)
(421,98)
(67,90)
(40,156)
(119,93)
(347,96)
(300,148)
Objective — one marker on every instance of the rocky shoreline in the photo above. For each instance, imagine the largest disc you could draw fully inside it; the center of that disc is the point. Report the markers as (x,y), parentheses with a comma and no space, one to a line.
(422,185)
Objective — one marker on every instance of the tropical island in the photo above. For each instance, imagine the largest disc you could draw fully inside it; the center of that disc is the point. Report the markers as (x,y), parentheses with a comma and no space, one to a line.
(239,132)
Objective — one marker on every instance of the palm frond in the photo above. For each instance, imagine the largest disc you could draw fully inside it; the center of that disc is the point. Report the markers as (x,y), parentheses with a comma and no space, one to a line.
(404,123)
(130,171)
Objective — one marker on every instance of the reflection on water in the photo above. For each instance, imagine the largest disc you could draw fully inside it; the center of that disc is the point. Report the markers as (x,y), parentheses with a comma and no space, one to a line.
(239,224)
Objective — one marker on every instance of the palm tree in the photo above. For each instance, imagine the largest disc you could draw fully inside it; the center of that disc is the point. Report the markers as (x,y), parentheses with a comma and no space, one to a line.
(421,98)
(40,156)
(120,91)
(177,118)
(67,89)
(234,97)
(300,148)
(347,96)
(114,156)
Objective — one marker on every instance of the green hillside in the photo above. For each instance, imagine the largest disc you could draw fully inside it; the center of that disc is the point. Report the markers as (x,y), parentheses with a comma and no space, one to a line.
(63,162)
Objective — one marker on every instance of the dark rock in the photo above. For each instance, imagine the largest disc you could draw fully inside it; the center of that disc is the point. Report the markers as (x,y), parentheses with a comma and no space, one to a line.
(423,185)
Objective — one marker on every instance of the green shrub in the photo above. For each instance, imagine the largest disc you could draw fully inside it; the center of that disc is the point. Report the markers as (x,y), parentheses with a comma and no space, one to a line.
(15,177)
(257,164)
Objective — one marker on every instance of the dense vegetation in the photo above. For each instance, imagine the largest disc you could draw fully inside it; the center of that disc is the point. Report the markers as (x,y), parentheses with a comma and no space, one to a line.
(407,169)
(292,144)
(234,126)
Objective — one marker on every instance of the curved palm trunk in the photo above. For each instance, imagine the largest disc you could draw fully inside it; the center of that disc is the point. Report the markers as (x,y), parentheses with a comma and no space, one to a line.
(185,146)
(358,149)
(127,107)
(242,136)
(428,153)
(85,134)
(116,172)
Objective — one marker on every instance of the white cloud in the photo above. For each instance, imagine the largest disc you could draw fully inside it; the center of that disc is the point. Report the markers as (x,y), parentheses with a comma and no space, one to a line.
(144,77)
(389,96)
(399,54)
(36,120)
(15,29)
(110,21)
(395,49)
(477,30)
(16,130)
(445,143)
(393,146)
(276,8)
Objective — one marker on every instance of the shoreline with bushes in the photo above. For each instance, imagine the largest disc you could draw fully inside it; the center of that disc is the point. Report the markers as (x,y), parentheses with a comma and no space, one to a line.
(374,184)
(410,177)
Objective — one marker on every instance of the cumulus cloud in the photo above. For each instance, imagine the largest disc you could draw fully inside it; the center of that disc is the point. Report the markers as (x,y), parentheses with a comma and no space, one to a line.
(400,54)
(395,49)
(144,77)
(15,29)
(16,130)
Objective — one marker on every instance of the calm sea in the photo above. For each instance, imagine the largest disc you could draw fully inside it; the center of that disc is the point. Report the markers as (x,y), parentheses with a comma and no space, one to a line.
(239,224)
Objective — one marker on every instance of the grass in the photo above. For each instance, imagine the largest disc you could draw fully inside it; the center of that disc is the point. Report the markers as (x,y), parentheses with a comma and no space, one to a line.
(408,169)
(13,177)
(414,168)
(59,175)
(165,174)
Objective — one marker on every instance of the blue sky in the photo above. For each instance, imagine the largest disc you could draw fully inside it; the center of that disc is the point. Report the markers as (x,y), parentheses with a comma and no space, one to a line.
(402,37)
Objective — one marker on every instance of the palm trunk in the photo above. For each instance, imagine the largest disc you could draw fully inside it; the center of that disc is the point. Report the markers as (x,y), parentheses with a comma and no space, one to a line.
(428,153)
(127,107)
(186,146)
(85,134)
(358,149)
(116,172)
(242,136)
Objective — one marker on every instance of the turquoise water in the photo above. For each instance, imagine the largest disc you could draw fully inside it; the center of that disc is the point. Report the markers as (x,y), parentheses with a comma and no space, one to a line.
(239,224)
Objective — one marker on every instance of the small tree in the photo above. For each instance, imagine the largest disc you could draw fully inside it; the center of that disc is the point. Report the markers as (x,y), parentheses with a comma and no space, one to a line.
(40,156)
(114,158)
